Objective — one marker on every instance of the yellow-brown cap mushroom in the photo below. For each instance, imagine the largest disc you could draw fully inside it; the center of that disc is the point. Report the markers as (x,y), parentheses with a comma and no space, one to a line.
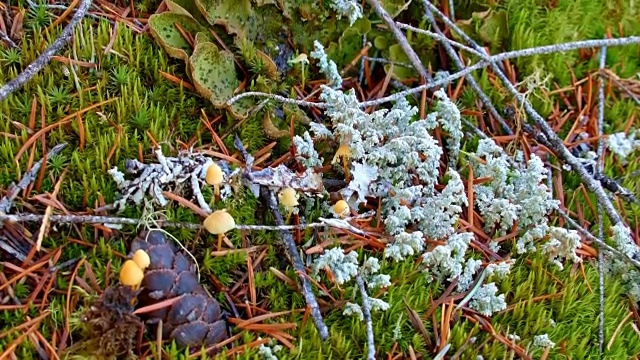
(214,174)
(341,208)
(141,258)
(219,222)
(131,274)
(288,197)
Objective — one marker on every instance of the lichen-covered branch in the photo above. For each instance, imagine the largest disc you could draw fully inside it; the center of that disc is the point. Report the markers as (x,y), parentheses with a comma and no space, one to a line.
(402,40)
(7,201)
(292,250)
(366,311)
(44,58)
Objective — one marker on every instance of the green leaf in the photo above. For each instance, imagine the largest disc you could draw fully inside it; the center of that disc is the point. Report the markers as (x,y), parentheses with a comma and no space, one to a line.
(213,72)
(164,30)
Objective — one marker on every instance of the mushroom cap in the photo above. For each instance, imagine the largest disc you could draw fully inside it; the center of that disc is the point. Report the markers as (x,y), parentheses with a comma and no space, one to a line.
(141,258)
(288,197)
(214,174)
(219,222)
(131,274)
(341,208)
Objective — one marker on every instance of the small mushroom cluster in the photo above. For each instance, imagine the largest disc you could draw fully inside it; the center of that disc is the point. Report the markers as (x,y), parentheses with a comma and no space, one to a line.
(132,272)
(288,198)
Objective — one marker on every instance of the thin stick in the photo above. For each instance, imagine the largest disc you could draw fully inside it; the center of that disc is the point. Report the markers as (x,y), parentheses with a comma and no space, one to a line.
(4,37)
(366,311)
(440,37)
(7,201)
(290,245)
(470,79)
(95,219)
(549,49)
(402,40)
(44,58)
(600,243)
(599,170)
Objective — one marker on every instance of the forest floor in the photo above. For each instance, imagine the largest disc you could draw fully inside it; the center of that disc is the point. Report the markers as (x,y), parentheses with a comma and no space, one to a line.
(120,90)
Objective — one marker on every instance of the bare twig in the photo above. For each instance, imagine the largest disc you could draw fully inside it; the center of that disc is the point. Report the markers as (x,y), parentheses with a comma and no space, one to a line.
(366,311)
(480,65)
(402,40)
(290,245)
(599,170)
(113,220)
(4,37)
(594,239)
(470,79)
(7,201)
(440,37)
(615,80)
(45,57)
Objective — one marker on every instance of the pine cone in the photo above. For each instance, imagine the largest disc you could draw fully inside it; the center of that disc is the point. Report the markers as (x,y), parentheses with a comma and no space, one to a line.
(195,319)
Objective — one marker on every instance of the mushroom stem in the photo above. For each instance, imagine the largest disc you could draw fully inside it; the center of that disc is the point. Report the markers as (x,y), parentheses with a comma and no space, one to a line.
(346,169)
(290,211)
(216,191)
(219,241)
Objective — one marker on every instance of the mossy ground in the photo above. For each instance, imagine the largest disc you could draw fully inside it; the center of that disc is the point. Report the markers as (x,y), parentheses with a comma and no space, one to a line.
(143,107)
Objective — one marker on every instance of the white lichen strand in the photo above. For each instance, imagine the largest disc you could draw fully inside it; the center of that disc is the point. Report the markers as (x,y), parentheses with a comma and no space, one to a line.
(514,193)
(405,244)
(623,240)
(369,271)
(306,154)
(268,352)
(562,244)
(348,8)
(466,278)
(450,120)
(501,270)
(446,262)
(327,67)
(622,144)
(173,174)
(486,302)
(344,267)
(351,309)
(543,341)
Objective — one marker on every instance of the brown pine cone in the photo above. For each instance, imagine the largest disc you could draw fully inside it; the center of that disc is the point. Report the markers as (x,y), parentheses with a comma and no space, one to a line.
(195,319)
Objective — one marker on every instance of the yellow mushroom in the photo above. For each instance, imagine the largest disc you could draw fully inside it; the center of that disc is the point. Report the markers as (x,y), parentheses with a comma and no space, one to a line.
(341,209)
(215,177)
(288,198)
(141,258)
(343,155)
(218,223)
(131,275)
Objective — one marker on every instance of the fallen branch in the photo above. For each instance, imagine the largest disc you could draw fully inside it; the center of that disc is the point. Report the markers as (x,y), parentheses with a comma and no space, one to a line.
(599,170)
(289,243)
(292,250)
(44,58)
(28,178)
(366,311)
